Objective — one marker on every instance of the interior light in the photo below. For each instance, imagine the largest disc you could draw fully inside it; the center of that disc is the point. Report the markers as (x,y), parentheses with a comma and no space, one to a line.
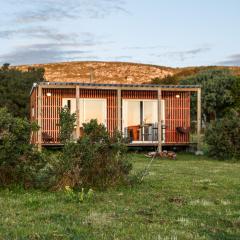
(49,94)
(177,96)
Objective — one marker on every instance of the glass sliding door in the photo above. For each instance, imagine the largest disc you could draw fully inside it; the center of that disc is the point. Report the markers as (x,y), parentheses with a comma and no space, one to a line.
(150,120)
(140,120)
(131,119)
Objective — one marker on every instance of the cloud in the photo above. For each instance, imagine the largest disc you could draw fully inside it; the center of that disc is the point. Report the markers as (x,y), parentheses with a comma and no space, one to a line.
(232,60)
(40,33)
(122,58)
(57,47)
(68,9)
(183,55)
(43,53)
(32,23)
(50,45)
(143,47)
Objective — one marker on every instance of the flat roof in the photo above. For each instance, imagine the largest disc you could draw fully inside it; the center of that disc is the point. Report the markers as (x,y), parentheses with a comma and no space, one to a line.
(115,86)
(119,85)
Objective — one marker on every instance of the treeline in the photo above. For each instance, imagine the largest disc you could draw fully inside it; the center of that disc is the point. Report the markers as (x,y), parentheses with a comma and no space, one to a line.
(15,86)
(220,108)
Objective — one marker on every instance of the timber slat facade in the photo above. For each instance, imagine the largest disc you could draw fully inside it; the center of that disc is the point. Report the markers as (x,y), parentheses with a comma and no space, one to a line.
(177,109)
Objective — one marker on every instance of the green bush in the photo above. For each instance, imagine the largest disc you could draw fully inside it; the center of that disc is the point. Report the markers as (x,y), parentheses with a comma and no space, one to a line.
(15,86)
(67,124)
(223,137)
(97,160)
(16,154)
(167,80)
(220,89)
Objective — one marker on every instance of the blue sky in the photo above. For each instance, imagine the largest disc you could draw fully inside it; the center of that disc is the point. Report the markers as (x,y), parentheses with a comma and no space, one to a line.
(172,33)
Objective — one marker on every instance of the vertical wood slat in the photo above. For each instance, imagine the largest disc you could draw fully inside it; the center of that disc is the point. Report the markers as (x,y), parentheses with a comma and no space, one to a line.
(40,117)
(177,110)
(119,106)
(177,114)
(159,121)
(198,118)
(77,112)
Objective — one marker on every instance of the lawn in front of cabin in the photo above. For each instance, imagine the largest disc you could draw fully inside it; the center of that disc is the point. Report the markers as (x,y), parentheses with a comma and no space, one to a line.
(188,198)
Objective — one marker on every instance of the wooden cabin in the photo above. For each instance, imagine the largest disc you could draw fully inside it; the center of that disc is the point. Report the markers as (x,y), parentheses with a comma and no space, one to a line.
(149,114)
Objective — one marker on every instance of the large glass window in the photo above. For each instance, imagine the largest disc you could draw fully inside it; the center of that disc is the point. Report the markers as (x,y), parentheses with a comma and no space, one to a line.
(140,119)
(150,112)
(133,113)
(89,109)
(93,109)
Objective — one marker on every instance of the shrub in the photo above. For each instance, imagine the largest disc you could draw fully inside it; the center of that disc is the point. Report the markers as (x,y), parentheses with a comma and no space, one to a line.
(67,124)
(220,89)
(223,137)
(15,86)
(97,159)
(167,80)
(15,150)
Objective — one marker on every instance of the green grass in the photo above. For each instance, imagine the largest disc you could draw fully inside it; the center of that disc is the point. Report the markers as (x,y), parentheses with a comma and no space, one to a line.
(188,198)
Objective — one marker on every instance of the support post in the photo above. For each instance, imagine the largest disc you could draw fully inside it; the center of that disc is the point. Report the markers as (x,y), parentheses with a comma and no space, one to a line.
(77,112)
(39,119)
(119,114)
(159,121)
(199,117)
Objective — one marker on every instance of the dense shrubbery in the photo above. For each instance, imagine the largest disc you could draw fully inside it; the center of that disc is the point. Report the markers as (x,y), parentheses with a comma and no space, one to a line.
(223,137)
(16,154)
(219,92)
(95,160)
(15,86)
(167,80)
(220,111)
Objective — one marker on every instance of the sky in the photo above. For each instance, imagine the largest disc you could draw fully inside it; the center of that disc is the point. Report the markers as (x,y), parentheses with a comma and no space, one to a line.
(173,33)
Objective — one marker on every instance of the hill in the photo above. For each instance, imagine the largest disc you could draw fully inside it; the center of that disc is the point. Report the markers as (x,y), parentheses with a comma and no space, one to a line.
(114,72)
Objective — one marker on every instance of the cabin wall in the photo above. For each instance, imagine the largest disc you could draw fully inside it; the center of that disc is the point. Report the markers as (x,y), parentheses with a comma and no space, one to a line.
(51,106)
(177,115)
(177,109)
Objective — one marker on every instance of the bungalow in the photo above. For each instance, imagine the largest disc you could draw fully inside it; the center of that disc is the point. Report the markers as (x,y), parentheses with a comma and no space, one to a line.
(148,114)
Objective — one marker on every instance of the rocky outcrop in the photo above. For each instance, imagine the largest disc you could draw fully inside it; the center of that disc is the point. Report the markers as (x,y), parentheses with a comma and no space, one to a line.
(115,72)
(101,72)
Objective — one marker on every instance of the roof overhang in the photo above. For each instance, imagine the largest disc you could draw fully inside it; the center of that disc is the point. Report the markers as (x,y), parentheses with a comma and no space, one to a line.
(108,86)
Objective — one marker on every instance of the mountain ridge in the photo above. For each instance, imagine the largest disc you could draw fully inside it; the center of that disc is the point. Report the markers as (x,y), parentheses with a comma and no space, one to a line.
(114,72)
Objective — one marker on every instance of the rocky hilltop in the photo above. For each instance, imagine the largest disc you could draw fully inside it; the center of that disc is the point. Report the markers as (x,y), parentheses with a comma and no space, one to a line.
(113,72)
(101,72)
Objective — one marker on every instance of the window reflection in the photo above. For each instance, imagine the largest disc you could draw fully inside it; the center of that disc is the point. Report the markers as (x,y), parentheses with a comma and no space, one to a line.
(133,113)
(95,109)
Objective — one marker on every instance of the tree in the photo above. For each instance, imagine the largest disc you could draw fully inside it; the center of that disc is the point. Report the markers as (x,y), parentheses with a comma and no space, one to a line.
(236,95)
(223,137)
(167,80)
(219,91)
(67,124)
(15,86)
(15,149)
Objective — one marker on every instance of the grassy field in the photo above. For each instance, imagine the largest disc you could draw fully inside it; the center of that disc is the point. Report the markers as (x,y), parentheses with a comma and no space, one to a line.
(188,198)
